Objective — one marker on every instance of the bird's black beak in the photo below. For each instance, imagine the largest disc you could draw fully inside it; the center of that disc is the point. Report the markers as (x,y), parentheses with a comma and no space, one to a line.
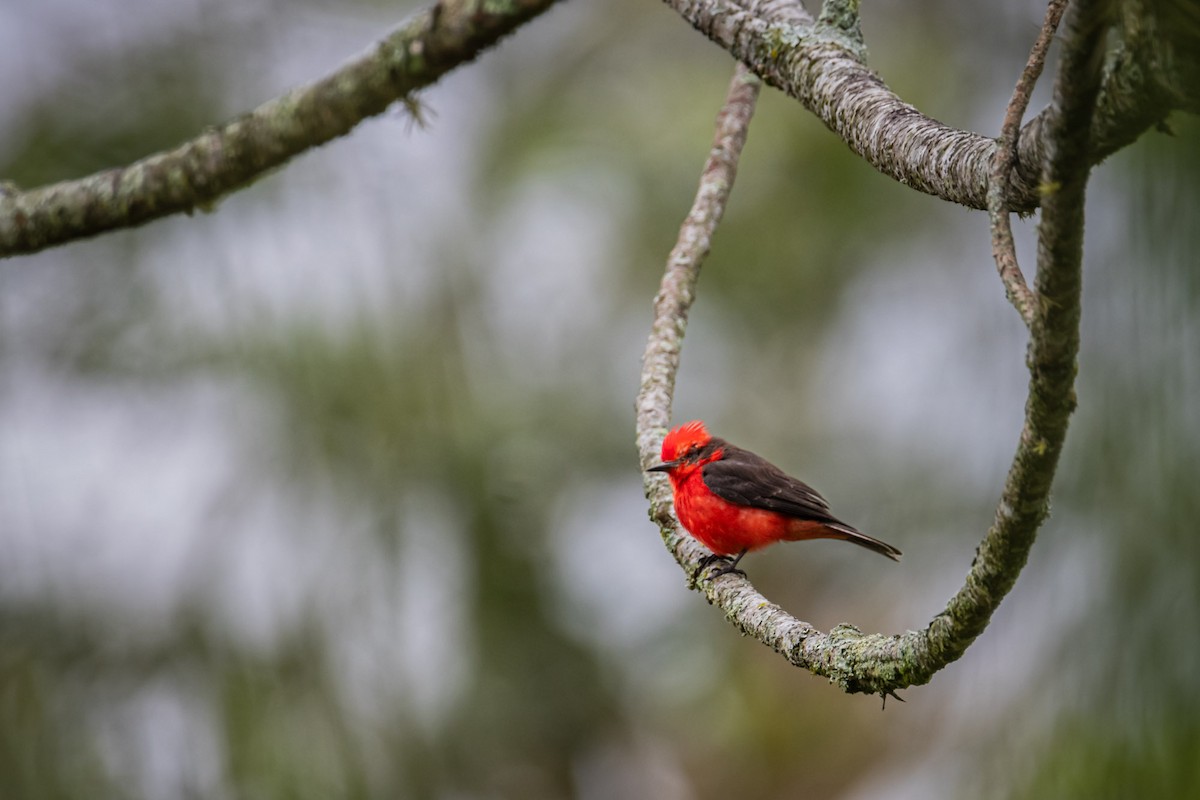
(664,467)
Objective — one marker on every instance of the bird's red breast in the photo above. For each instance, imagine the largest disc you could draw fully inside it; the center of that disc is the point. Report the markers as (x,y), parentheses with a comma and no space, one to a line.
(727,528)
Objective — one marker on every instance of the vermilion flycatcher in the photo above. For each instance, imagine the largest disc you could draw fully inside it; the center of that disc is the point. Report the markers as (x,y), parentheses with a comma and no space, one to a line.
(734,501)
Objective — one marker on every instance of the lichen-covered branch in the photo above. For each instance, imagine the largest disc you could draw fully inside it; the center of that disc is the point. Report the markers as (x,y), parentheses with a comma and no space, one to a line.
(1004,249)
(879,663)
(226,158)
(822,64)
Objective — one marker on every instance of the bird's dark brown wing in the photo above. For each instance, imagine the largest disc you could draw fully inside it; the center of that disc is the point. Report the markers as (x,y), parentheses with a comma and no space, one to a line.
(745,479)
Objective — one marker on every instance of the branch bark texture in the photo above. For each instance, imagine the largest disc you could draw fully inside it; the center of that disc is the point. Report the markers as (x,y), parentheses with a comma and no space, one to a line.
(224,159)
(822,63)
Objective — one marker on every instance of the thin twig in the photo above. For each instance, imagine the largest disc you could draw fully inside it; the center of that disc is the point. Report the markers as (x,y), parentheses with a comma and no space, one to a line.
(1003,162)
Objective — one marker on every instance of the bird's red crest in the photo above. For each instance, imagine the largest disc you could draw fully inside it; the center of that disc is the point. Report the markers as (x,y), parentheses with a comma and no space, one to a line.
(687,436)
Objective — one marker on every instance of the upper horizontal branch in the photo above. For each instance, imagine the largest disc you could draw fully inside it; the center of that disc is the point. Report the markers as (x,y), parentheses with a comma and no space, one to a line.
(821,64)
(221,160)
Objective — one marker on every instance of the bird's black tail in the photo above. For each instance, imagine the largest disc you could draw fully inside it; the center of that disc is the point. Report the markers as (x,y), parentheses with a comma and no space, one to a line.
(842,531)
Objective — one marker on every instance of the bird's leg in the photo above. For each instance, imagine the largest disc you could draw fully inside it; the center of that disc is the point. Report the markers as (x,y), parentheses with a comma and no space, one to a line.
(731,567)
(703,565)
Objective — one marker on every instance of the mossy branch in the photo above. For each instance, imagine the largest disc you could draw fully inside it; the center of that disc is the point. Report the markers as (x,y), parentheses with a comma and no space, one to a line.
(224,159)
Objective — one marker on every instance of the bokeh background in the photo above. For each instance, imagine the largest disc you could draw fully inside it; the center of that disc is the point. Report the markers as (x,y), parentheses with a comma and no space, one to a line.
(332,492)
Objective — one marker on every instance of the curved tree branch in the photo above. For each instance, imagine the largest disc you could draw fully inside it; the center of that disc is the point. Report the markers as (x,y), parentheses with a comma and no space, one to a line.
(822,64)
(224,159)
(877,663)
(660,363)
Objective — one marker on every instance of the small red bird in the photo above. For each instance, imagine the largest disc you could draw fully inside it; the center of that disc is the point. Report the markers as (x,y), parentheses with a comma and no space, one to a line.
(734,501)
